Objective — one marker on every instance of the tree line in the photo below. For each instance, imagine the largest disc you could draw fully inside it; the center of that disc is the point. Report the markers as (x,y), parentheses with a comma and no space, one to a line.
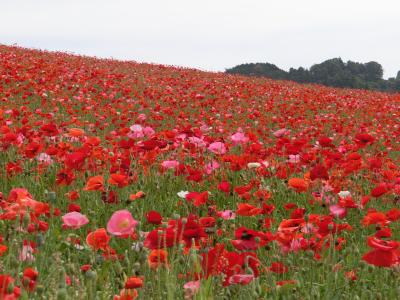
(332,72)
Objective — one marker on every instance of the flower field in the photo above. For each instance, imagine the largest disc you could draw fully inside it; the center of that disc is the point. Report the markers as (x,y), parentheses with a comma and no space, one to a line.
(122,180)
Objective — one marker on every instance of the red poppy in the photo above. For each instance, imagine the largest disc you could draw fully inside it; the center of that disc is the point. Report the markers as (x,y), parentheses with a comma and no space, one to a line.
(95,183)
(119,180)
(153,217)
(98,239)
(157,258)
(245,209)
(384,253)
(133,282)
(278,268)
(299,184)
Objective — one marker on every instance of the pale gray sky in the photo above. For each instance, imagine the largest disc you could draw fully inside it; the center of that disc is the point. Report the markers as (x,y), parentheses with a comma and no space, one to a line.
(210,34)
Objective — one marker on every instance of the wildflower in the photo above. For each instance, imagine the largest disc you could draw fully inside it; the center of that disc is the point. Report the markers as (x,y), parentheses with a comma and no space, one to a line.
(170,164)
(337,211)
(239,138)
(119,180)
(153,217)
(121,223)
(157,258)
(383,253)
(98,239)
(182,194)
(74,220)
(299,184)
(217,148)
(95,183)
(137,195)
(133,282)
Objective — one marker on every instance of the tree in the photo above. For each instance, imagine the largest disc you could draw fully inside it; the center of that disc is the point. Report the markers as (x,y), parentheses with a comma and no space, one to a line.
(355,68)
(299,75)
(325,71)
(374,71)
(332,72)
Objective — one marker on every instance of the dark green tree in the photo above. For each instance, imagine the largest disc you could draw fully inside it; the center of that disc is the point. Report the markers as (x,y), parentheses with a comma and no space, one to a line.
(374,71)
(332,72)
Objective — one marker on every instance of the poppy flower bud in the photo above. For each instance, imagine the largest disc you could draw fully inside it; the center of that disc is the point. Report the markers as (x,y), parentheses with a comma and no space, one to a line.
(51,196)
(118,268)
(10,288)
(136,266)
(26,219)
(40,240)
(25,282)
(90,274)
(99,259)
(176,216)
(39,289)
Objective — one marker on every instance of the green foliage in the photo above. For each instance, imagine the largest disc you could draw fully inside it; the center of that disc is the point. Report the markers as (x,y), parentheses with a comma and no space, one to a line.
(332,72)
(259,69)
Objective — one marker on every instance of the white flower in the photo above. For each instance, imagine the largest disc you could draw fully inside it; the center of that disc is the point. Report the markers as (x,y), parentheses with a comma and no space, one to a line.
(253,165)
(265,163)
(344,194)
(182,194)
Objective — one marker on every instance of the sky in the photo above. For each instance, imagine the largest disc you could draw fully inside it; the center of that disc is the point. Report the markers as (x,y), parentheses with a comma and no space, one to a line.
(210,34)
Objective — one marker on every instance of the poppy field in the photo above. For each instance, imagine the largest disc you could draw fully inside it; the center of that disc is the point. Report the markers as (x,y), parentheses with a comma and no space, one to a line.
(122,180)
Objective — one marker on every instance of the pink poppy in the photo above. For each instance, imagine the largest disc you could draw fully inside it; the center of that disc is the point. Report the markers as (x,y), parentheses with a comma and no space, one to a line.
(281,132)
(239,138)
(26,254)
(121,223)
(136,131)
(217,148)
(227,215)
(74,220)
(192,286)
(141,117)
(211,167)
(337,211)
(294,158)
(148,131)
(199,143)
(242,279)
(170,164)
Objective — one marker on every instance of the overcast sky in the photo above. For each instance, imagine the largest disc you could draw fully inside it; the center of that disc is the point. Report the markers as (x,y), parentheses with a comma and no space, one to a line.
(210,34)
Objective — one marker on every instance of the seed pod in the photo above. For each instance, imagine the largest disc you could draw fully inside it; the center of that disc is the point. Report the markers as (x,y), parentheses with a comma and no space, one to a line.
(90,274)
(118,268)
(40,240)
(51,196)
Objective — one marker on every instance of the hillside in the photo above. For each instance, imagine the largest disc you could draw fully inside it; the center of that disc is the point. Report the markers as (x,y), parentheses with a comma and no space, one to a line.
(123,180)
